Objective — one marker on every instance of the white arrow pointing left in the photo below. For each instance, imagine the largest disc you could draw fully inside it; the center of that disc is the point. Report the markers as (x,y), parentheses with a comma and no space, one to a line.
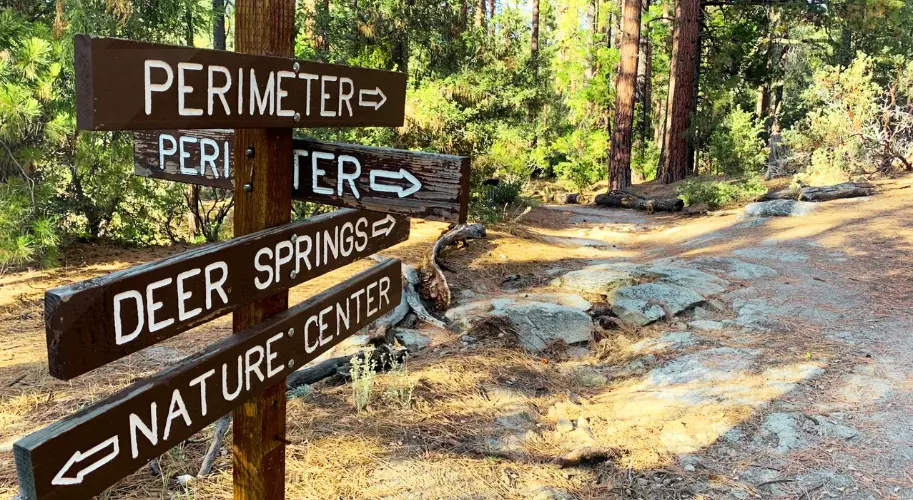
(62,479)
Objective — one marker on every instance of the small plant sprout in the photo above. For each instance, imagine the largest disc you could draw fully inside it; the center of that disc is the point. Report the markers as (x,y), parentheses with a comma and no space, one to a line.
(362,373)
(400,386)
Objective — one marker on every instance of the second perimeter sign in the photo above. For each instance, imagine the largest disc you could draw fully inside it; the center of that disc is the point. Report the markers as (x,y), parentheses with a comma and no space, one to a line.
(126,85)
(425,185)
(92,323)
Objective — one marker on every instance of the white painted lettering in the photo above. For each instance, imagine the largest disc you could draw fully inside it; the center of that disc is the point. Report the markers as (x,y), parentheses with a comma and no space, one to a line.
(219,91)
(119,337)
(350,177)
(270,356)
(184,89)
(230,396)
(152,305)
(262,100)
(316,171)
(166,152)
(253,367)
(282,93)
(156,87)
(308,347)
(183,155)
(202,381)
(137,423)
(176,409)
(209,158)
(216,286)
(324,96)
(280,259)
(324,326)
(344,97)
(309,78)
(264,268)
(183,314)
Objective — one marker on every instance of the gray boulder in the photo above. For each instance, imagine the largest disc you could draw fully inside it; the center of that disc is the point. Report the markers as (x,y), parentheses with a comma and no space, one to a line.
(600,279)
(540,323)
(643,304)
(411,338)
(735,268)
(779,208)
(537,323)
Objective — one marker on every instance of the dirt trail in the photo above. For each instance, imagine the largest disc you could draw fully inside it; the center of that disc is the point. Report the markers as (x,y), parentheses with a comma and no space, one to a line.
(794,380)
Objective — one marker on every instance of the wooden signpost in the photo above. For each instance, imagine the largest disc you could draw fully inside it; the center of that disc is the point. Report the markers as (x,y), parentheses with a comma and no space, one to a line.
(81,455)
(426,185)
(126,85)
(262,93)
(92,323)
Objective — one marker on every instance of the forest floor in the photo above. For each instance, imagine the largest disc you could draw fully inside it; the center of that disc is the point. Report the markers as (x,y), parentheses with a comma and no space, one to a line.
(797,383)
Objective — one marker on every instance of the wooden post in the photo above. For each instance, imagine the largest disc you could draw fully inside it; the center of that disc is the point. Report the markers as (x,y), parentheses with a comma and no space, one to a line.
(263,161)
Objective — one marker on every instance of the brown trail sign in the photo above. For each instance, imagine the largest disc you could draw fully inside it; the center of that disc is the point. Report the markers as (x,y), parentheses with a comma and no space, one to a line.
(127,85)
(85,453)
(425,185)
(94,322)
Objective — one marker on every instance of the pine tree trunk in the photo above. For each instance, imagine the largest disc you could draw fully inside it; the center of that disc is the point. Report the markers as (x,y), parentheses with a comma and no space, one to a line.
(218,24)
(590,30)
(622,131)
(681,90)
(645,77)
(480,13)
(690,152)
(534,32)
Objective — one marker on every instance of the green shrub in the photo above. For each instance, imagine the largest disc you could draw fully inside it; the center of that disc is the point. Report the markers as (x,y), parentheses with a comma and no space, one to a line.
(735,147)
(719,193)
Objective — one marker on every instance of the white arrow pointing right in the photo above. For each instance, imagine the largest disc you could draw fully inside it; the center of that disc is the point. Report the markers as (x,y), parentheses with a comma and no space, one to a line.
(61,479)
(403,174)
(377,229)
(371,103)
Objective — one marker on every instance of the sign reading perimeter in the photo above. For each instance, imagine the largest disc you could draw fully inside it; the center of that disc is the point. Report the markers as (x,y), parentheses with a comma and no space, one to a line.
(81,455)
(126,85)
(103,319)
(425,185)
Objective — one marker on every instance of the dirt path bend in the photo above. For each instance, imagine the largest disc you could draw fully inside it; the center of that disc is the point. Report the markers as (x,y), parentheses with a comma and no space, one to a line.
(791,378)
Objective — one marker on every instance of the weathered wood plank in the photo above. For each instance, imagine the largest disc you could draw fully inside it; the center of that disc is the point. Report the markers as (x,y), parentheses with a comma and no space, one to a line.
(83,454)
(127,85)
(97,321)
(425,185)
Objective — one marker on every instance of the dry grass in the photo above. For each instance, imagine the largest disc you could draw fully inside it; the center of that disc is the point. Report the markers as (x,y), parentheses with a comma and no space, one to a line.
(456,439)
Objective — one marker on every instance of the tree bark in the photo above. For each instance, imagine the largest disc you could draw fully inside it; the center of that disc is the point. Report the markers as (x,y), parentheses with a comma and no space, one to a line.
(622,199)
(645,69)
(681,90)
(218,24)
(622,131)
(590,30)
(534,32)
(480,13)
(691,151)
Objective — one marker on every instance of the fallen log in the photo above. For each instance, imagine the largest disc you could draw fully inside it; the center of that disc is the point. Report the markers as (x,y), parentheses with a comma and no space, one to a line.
(624,199)
(382,357)
(381,330)
(434,284)
(575,199)
(837,191)
(215,446)
(586,453)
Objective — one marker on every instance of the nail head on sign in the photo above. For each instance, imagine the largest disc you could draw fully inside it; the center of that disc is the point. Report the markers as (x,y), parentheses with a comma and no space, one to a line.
(293,275)
(248,187)
(297,117)
(296,67)
(250,151)
(291,363)
(291,331)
